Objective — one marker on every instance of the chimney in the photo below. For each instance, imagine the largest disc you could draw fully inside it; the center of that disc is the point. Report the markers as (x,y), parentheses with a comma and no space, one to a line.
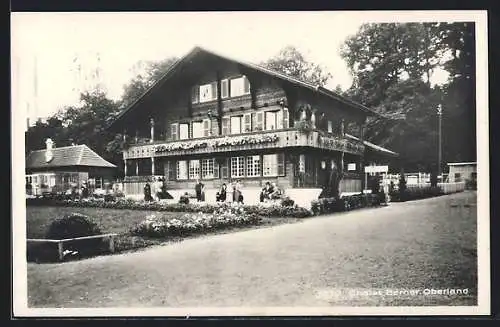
(49,155)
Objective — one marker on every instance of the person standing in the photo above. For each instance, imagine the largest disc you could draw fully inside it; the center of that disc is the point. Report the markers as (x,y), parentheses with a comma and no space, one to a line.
(221,195)
(238,195)
(147,193)
(198,188)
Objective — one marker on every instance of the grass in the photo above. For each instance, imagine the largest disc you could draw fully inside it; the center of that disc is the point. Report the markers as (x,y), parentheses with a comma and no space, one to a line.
(423,244)
(119,221)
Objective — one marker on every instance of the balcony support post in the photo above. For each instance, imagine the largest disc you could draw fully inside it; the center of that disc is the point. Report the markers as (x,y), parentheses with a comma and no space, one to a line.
(362,157)
(152,166)
(125,167)
(137,167)
(152,126)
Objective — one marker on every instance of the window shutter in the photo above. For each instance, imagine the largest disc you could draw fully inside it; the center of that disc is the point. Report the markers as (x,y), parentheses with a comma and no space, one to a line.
(174,131)
(195,94)
(246,85)
(216,168)
(206,127)
(225,125)
(225,169)
(190,130)
(281,164)
(215,127)
(286,119)
(170,173)
(247,123)
(225,88)
(260,121)
(279,119)
(214,90)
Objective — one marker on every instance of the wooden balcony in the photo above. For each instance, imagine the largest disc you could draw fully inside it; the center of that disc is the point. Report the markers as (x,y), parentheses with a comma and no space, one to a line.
(277,139)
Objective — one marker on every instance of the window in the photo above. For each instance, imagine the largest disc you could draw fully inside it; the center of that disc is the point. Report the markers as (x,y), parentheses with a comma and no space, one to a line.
(330,126)
(183,131)
(224,168)
(224,88)
(207,168)
(182,169)
(198,129)
(247,123)
(237,166)
(239,86)
(270,120)
(225,125)
(253,166)
(208,92)
(273,164)
(194,169)
(258,121)
(235,124)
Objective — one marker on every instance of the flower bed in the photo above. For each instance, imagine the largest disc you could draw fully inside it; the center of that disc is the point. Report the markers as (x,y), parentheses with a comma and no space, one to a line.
(331,205)
(266,211)
(195,223)
(409,194)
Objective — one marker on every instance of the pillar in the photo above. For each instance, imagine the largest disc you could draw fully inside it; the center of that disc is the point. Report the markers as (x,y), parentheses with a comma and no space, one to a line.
(125,166)
(152,125)
(153,166)
(136,136)
(362,157)
(342,123)
(137,167)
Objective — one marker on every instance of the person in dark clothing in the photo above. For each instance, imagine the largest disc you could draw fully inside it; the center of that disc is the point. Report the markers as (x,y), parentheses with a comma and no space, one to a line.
(266,192)
(222,194)
(199,188)
(147,193)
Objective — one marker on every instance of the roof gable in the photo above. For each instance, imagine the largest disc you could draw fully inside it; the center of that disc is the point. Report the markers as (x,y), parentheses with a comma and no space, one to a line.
(190,56)
(76,155)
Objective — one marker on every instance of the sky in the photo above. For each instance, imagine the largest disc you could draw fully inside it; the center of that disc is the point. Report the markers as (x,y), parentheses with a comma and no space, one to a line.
(48,43)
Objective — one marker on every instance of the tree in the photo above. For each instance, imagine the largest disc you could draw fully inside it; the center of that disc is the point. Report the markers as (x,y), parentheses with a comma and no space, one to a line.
(392,67)
(290,61)
(151,72)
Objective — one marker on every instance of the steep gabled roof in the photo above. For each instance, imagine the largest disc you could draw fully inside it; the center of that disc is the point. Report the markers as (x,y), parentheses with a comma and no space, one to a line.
(375,147)
(197,50)
(76,155)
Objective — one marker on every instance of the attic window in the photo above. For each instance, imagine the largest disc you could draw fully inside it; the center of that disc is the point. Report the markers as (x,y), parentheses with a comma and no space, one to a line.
(239,86)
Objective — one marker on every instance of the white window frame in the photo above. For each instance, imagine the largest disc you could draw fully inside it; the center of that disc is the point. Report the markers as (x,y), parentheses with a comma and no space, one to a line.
(206,127)
(270,124)
(237,86)
(208,92)
(253,166)
(247,123)
(270,165)
(182,174)
(237,167)
(198,130)
(330,127)
(194,169)
(207,168)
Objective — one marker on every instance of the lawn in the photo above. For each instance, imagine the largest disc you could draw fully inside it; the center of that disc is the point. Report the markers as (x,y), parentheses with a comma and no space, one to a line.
(120,221)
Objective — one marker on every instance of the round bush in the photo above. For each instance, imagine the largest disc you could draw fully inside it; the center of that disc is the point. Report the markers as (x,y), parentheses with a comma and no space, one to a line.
(72,225)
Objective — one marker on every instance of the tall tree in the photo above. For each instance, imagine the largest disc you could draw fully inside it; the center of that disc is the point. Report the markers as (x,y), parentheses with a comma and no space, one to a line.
(150,73)
(392,67)
(291,62)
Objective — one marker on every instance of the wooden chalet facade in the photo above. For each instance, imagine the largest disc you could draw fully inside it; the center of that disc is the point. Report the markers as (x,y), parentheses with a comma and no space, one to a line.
(220,120)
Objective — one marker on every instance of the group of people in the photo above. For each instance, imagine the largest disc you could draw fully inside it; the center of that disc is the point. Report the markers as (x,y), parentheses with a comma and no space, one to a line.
(221,195)
(270,191)
(156,188)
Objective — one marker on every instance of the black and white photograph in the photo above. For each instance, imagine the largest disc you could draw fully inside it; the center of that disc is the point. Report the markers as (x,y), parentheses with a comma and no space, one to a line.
(261,163)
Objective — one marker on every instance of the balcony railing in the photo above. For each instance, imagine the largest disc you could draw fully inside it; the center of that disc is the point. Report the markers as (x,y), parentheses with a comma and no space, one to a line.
(251,141)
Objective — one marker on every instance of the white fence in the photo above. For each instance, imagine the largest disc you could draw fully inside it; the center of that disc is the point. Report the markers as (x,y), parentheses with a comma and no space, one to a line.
(446,187)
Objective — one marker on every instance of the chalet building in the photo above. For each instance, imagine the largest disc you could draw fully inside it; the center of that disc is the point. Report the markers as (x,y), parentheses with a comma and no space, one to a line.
(56,170)
(220,120)
(462,171)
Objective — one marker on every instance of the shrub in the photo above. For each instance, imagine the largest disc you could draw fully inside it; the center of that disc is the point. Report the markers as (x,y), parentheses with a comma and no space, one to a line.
(409,194)
(331,205)
(76,225)
(287,202)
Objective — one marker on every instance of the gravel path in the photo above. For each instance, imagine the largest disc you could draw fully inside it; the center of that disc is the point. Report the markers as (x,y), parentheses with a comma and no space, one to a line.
(355,258)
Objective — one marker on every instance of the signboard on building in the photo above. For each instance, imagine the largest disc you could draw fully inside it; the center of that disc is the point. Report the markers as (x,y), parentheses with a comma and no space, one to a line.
(376,169)
(351,166)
